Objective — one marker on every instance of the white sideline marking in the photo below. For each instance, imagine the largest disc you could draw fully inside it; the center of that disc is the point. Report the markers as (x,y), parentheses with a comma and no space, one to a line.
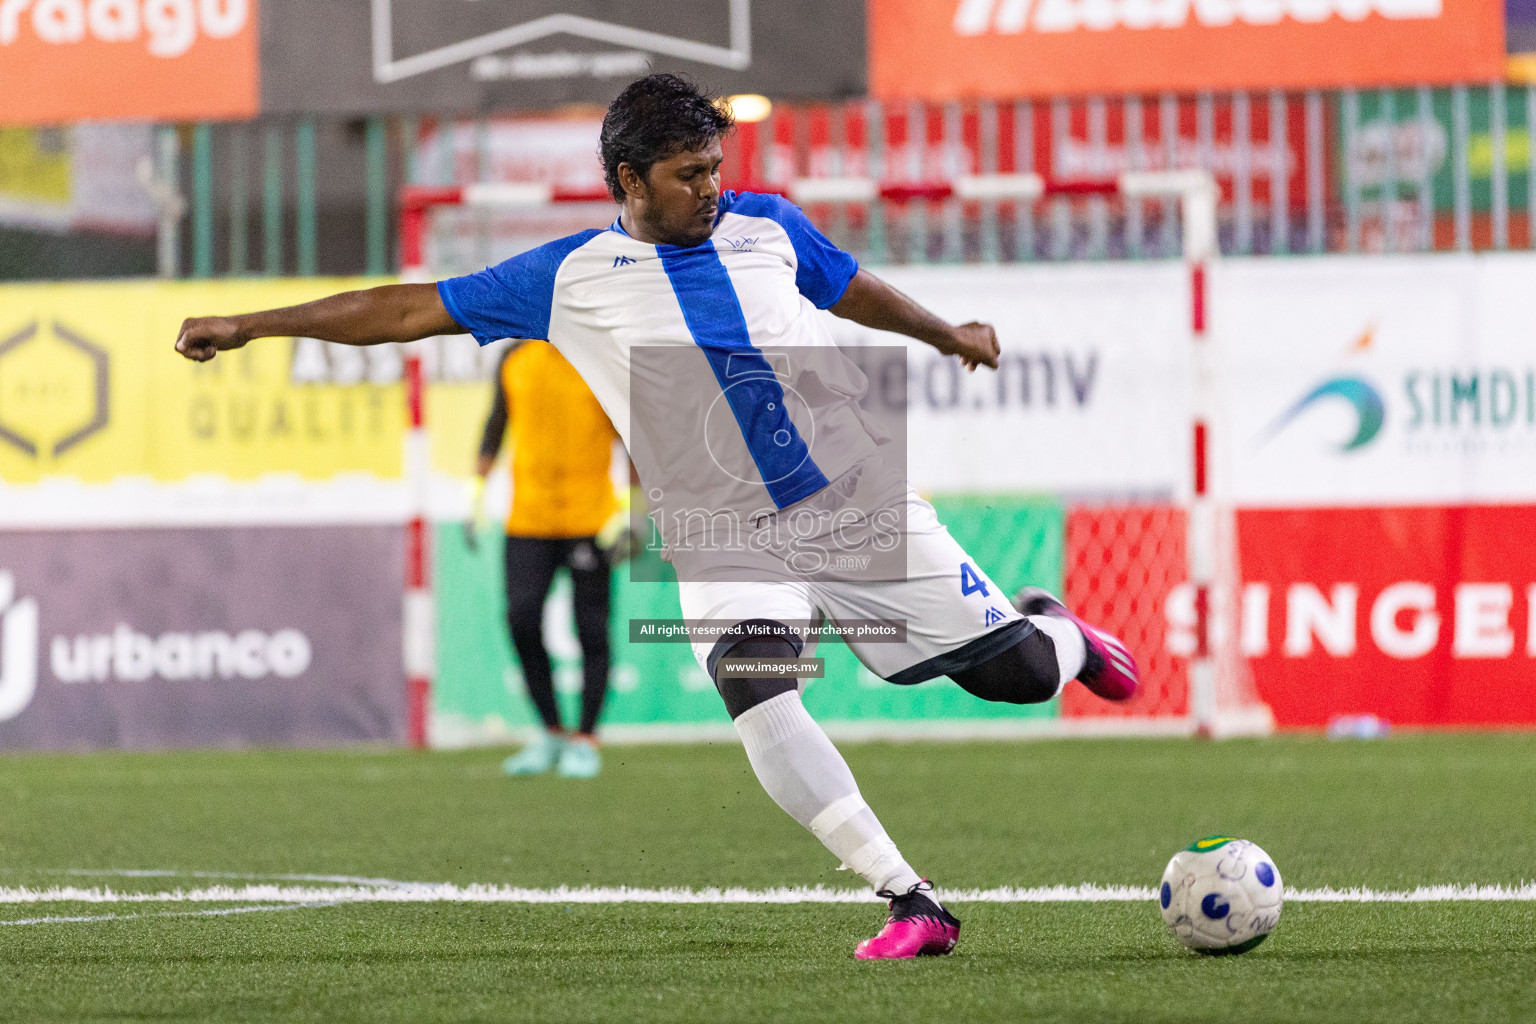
(224,912)
(443,892)
(241,876)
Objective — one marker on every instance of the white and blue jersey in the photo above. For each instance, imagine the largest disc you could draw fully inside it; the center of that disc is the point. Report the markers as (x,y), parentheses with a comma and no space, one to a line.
(731,306)
(717,369)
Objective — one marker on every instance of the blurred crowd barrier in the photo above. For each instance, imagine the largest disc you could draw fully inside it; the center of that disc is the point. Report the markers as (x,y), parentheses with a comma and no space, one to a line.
(1394,170)
(273,137)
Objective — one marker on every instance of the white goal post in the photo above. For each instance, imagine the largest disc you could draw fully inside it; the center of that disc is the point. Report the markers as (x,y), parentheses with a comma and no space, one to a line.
(1221,700)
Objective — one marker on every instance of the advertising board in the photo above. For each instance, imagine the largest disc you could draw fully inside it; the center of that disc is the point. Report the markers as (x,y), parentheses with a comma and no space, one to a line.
(143,639)
(1380,381)
(76,60)
(1091,390)
(1376,380)
(91,389)
(1007,48)
(446,55)
(1423,616)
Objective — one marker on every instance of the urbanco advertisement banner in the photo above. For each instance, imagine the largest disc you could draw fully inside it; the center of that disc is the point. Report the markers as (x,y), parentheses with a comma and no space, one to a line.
(76,60)
(1380,381)
(448,55)
(952,49)
(144,639)
(1091,394)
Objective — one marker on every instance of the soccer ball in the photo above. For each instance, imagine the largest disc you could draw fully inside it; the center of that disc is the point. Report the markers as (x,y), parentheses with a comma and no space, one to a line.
(1221,896)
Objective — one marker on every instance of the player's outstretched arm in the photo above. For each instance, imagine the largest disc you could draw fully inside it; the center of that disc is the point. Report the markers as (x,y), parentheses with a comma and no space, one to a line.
(873,303)
(373,316)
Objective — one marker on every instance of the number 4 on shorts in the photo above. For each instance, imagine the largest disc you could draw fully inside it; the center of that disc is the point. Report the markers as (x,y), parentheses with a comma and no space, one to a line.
(971,583)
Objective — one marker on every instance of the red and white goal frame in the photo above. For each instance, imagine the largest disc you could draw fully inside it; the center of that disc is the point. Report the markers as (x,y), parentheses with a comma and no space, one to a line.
(1188,551)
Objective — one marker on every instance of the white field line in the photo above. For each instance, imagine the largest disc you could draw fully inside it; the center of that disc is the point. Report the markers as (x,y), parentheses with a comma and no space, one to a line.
(427,892)
(222,912)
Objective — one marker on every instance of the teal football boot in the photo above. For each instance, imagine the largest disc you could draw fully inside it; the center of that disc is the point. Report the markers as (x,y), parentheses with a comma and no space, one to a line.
(536,758)
(579,761)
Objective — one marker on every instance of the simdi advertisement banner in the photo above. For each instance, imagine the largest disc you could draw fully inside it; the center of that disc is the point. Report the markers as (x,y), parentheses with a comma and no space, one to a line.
(920,49)
(74,60)
(1381,381)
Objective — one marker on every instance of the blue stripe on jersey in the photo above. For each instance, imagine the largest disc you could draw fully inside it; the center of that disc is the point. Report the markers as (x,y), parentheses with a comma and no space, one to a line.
(714,318)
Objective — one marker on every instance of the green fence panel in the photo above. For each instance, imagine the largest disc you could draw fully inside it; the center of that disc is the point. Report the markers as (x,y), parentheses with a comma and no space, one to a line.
(1391,141)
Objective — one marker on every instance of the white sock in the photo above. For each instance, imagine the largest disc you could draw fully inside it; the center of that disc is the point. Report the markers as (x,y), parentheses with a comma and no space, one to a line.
(1071,648)
(804,774)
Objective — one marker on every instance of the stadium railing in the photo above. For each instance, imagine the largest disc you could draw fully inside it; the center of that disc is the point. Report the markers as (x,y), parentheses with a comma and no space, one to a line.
(1384,170)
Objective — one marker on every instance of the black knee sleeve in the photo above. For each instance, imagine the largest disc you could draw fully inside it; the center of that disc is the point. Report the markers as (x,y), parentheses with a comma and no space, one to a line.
(1026,673)
(770,640)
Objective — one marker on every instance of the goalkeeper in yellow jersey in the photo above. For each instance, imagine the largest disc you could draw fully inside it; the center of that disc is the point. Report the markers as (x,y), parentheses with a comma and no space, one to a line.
(564,513)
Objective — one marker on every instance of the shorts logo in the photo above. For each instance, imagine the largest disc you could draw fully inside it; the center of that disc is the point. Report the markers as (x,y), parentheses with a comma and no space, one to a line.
(994,616)
(584,557)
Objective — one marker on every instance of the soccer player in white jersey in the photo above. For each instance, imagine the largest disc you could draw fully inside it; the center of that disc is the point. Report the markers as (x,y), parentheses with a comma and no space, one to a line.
(720,282)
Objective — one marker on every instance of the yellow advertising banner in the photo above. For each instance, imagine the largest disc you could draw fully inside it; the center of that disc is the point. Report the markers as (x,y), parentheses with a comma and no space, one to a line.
(91,388)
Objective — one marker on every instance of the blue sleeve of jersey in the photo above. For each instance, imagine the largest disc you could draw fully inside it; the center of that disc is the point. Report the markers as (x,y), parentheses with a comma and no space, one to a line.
(822,270)
(512,299)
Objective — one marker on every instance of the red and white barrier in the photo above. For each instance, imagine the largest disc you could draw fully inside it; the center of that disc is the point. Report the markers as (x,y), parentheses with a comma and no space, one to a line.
(419,631)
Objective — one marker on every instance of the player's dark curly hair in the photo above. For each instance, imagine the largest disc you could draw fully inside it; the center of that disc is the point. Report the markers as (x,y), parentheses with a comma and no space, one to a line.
(656,117)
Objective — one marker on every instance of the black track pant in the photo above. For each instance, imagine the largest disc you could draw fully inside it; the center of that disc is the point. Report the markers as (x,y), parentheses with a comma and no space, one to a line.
(531,563)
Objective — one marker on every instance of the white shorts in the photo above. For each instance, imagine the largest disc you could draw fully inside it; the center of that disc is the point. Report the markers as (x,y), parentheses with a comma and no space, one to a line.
(955,616)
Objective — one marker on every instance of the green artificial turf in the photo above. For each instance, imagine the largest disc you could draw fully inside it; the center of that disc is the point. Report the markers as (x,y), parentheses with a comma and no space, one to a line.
(1389,814)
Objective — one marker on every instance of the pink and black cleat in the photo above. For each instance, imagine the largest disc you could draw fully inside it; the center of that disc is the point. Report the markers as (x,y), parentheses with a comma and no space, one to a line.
(1109,671)
(918,926)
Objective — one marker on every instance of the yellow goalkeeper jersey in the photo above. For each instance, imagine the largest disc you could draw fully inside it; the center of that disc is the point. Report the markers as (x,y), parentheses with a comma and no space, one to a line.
(562,445)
